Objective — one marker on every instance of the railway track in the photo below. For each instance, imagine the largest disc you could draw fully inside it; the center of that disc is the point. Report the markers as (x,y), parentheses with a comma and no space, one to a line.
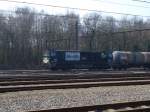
(138,106)
(70,85)
(57,76)
(39,82)
(68,71)
(81,80)
(46,81)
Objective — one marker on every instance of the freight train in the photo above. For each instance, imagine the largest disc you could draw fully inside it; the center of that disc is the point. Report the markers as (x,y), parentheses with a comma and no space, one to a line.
(58,59)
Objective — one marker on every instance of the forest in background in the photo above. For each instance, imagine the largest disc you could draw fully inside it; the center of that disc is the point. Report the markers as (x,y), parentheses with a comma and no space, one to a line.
(25,34)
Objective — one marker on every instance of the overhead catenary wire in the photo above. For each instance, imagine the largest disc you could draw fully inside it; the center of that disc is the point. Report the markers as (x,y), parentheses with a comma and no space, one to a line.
(73,8)
(134,30)
(62,7)
(104,33)
(127,31)
(141,1)
(56,40)
(62,16)
(122,4)
(59,16)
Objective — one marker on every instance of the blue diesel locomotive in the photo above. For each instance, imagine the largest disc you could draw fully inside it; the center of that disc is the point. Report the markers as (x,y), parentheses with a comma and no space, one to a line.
(76,60)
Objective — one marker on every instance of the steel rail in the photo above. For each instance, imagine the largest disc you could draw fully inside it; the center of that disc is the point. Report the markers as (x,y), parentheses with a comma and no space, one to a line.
(47,81)
(137,110)
(100,108)
(71,76)
(71,85)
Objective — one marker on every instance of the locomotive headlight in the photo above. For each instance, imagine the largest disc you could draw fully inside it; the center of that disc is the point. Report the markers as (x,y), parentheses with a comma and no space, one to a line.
(45,60)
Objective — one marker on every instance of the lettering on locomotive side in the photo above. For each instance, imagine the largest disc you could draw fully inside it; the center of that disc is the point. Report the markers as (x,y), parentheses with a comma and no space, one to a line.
(72,56)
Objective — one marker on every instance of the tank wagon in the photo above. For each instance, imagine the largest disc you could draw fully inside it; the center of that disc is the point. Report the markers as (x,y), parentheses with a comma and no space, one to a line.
(123,59)
(57,59)
(76,60)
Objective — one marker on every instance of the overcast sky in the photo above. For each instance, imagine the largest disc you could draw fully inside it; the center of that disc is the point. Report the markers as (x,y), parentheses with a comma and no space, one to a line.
(104,5)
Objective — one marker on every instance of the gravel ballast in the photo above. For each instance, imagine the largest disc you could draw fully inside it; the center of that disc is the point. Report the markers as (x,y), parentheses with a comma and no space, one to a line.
(59,98)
